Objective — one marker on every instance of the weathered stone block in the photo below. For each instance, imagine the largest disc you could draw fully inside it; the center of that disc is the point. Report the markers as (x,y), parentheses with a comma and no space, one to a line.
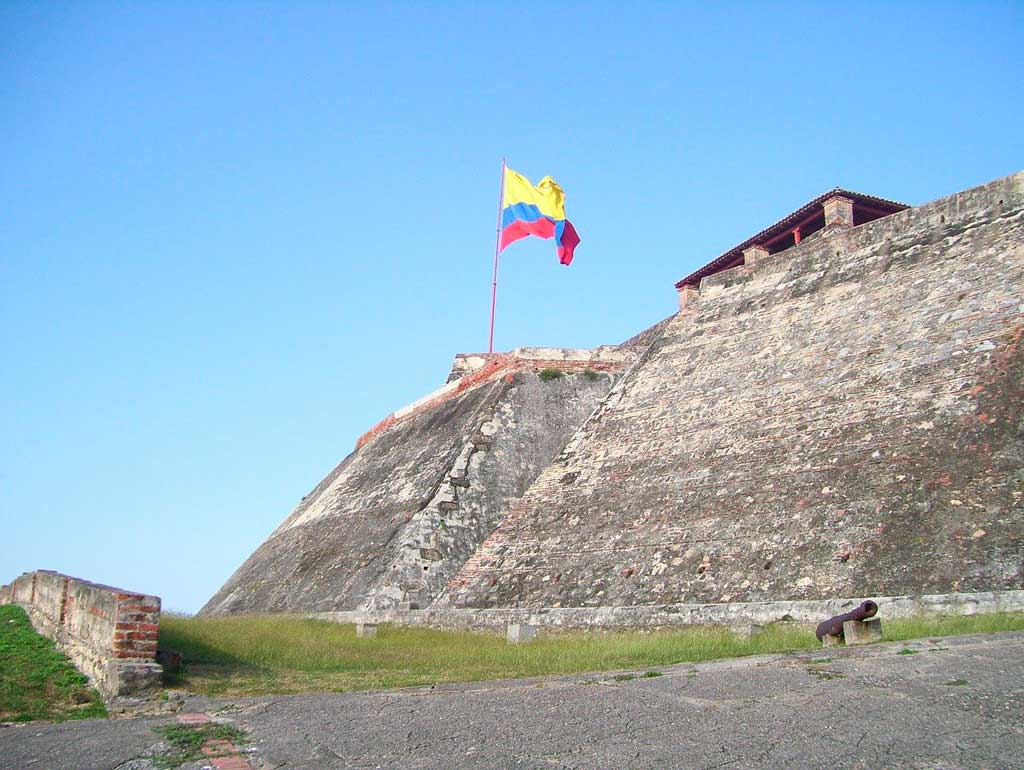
(862,631)
(134,679)
(366,630)
(832,640)
(520,633)
(747,630)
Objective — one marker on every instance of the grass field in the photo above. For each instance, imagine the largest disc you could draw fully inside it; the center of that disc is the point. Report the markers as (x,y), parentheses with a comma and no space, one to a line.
(36,681)
(278,654)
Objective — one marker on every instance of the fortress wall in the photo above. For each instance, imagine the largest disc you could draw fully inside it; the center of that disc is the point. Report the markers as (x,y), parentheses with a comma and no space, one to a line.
(841,419)
(474,369)
(661,616)
(109,634)
(399,516)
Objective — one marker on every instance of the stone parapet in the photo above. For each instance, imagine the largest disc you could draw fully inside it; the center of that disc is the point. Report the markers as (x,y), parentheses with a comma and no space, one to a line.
(740,614)
(110,634)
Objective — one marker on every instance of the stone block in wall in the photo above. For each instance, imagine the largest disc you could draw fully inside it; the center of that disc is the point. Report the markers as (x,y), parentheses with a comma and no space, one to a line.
(49,601)
(21,588)
(130,679)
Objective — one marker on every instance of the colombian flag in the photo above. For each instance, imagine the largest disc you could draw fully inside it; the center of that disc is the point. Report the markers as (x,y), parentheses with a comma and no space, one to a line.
(540,211)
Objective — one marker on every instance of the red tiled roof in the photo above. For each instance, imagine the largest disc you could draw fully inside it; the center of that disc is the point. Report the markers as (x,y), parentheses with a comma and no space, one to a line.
(881,206)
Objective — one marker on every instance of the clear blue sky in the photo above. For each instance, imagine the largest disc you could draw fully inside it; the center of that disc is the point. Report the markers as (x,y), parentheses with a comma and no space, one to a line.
(234,236)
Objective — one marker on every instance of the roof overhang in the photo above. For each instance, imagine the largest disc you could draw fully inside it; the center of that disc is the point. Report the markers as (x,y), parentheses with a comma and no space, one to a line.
(806,220)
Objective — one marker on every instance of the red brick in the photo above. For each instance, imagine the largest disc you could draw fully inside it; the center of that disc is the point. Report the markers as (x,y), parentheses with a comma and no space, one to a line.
(136,646)
(235,762)
(218,748)
(137,608)
(194,718)
(136,635)
(135,617)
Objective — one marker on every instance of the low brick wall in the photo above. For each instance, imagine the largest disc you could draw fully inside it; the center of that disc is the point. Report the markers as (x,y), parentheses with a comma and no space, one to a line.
(677,615)
(110,634)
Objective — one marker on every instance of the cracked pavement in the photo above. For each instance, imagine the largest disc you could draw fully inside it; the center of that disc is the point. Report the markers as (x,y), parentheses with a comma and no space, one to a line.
(957,702)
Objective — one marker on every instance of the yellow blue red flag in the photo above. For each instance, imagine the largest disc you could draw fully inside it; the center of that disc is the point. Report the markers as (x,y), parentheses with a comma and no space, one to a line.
(536,210)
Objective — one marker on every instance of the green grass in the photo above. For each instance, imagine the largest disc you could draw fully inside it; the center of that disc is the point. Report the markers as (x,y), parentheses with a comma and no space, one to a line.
(279,654)
(550,374)
(185,742)
(951,625)
(37,681)
(276,654)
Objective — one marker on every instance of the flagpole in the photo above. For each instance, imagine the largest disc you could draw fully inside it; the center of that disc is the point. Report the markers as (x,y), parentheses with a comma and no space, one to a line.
(497,248)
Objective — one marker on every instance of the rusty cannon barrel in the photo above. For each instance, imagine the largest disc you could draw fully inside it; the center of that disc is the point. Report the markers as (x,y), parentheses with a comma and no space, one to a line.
(834,625)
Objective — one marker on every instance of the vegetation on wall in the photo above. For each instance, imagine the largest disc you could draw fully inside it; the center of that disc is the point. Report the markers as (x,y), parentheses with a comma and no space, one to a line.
(37,681)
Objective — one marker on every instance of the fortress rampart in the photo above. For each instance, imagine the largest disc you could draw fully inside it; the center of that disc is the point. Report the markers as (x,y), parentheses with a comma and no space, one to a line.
(663,616)
(842,418)
(110,634)
(399,516)
(833,413)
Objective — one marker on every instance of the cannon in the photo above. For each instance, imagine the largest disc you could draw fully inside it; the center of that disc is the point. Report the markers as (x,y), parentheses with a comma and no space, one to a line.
(834,625)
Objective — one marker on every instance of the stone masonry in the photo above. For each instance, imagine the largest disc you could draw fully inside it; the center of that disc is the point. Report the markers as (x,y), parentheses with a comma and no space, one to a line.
(108,633)
(399,516)
(839,419)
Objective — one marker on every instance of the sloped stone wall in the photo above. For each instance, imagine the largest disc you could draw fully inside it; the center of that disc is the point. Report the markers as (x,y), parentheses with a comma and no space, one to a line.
(110,634)
(843,418)
(399,516)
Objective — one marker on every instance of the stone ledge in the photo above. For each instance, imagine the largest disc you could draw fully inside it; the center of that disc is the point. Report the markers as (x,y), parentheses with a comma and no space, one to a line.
(678,615)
